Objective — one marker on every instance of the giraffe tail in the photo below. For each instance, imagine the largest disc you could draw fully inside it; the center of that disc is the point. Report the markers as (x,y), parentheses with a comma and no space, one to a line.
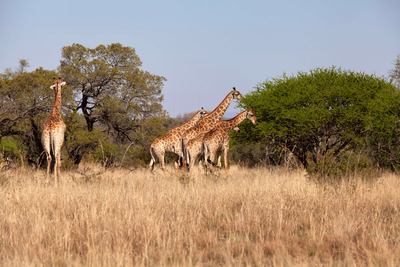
(52,145)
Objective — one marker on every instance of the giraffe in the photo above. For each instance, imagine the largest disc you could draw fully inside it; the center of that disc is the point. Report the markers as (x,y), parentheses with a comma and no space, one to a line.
(219,152)
(218,139)
(208,122)
(170,141)
(53,132)
(194,149)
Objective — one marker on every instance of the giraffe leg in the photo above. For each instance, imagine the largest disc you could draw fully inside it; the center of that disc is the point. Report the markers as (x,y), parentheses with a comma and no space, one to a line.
(57,169)
(184,164)
(57,142)
(179,158)
(46,147)
(48,166)
(219,164)
(226,150)
(206,156)
(211,162)
(177,163)
(162,163)
(157,154)
(191,159)
(153,158)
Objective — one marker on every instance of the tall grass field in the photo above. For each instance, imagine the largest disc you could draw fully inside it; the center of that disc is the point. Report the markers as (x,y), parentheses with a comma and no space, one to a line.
(252,217)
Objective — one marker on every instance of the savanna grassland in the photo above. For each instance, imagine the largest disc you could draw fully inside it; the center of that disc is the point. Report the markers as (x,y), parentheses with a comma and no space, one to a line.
(253,217)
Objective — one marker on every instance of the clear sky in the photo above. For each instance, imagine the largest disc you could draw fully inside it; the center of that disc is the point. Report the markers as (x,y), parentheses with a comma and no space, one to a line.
(204,48)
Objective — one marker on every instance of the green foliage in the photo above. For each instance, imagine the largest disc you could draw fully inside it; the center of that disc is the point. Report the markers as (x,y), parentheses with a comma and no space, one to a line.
(79,141)
(138,153)
(108,105)
(249,155)
(9,147)
(326,111)
(25,101)
(107,153)
(345,164)
(110,88)
(118,102)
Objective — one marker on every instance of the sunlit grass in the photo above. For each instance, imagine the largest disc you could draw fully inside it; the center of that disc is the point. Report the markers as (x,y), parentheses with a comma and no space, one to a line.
(251,217)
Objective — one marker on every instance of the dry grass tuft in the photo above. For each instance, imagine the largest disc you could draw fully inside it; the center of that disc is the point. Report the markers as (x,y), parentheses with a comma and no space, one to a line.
(252,217)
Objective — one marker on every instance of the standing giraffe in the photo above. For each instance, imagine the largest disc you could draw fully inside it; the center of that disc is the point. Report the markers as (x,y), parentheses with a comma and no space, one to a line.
(170,141)
(194,148)
(218,139)
(53,132)
(209,121)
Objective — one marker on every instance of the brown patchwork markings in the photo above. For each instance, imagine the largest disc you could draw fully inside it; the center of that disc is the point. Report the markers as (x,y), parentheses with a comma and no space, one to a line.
(170,143)
(194,149)
(53,133)
(208,122)
(218,139)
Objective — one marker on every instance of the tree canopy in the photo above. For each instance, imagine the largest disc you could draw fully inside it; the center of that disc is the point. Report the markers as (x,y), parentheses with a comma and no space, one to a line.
(25,101)
(110,87)
(326,111)
(395,73)
(111,91)
(108,105)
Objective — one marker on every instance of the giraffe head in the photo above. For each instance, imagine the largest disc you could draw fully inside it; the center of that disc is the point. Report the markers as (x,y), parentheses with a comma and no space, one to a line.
(251,116)
(57,84)
(203,112)
(236,129)
(236,94)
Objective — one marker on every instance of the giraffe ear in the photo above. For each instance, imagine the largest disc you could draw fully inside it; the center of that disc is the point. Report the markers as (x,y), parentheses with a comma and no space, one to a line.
(53,86)
(63,83)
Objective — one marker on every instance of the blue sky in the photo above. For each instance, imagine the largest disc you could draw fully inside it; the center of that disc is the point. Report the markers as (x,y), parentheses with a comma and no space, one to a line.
(204,48)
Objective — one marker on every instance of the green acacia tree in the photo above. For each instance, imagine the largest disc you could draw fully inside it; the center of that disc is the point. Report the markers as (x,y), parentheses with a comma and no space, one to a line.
(327,111)
(110,88)
(25,102)
(115,97)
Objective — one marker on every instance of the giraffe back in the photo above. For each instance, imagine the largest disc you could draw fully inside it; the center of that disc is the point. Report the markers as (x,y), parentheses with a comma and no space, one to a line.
(170,141)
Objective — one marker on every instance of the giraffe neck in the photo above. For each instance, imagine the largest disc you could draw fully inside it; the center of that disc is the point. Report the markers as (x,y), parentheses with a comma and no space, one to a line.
(219,111)
(57,103)
(232,123)
(193,121)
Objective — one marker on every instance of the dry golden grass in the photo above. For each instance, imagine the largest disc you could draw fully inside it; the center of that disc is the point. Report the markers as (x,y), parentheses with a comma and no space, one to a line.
(252,217)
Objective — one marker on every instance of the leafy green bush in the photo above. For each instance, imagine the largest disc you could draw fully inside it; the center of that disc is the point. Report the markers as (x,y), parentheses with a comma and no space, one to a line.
(250,155)
(9,147)
(345,165)
(331,112)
